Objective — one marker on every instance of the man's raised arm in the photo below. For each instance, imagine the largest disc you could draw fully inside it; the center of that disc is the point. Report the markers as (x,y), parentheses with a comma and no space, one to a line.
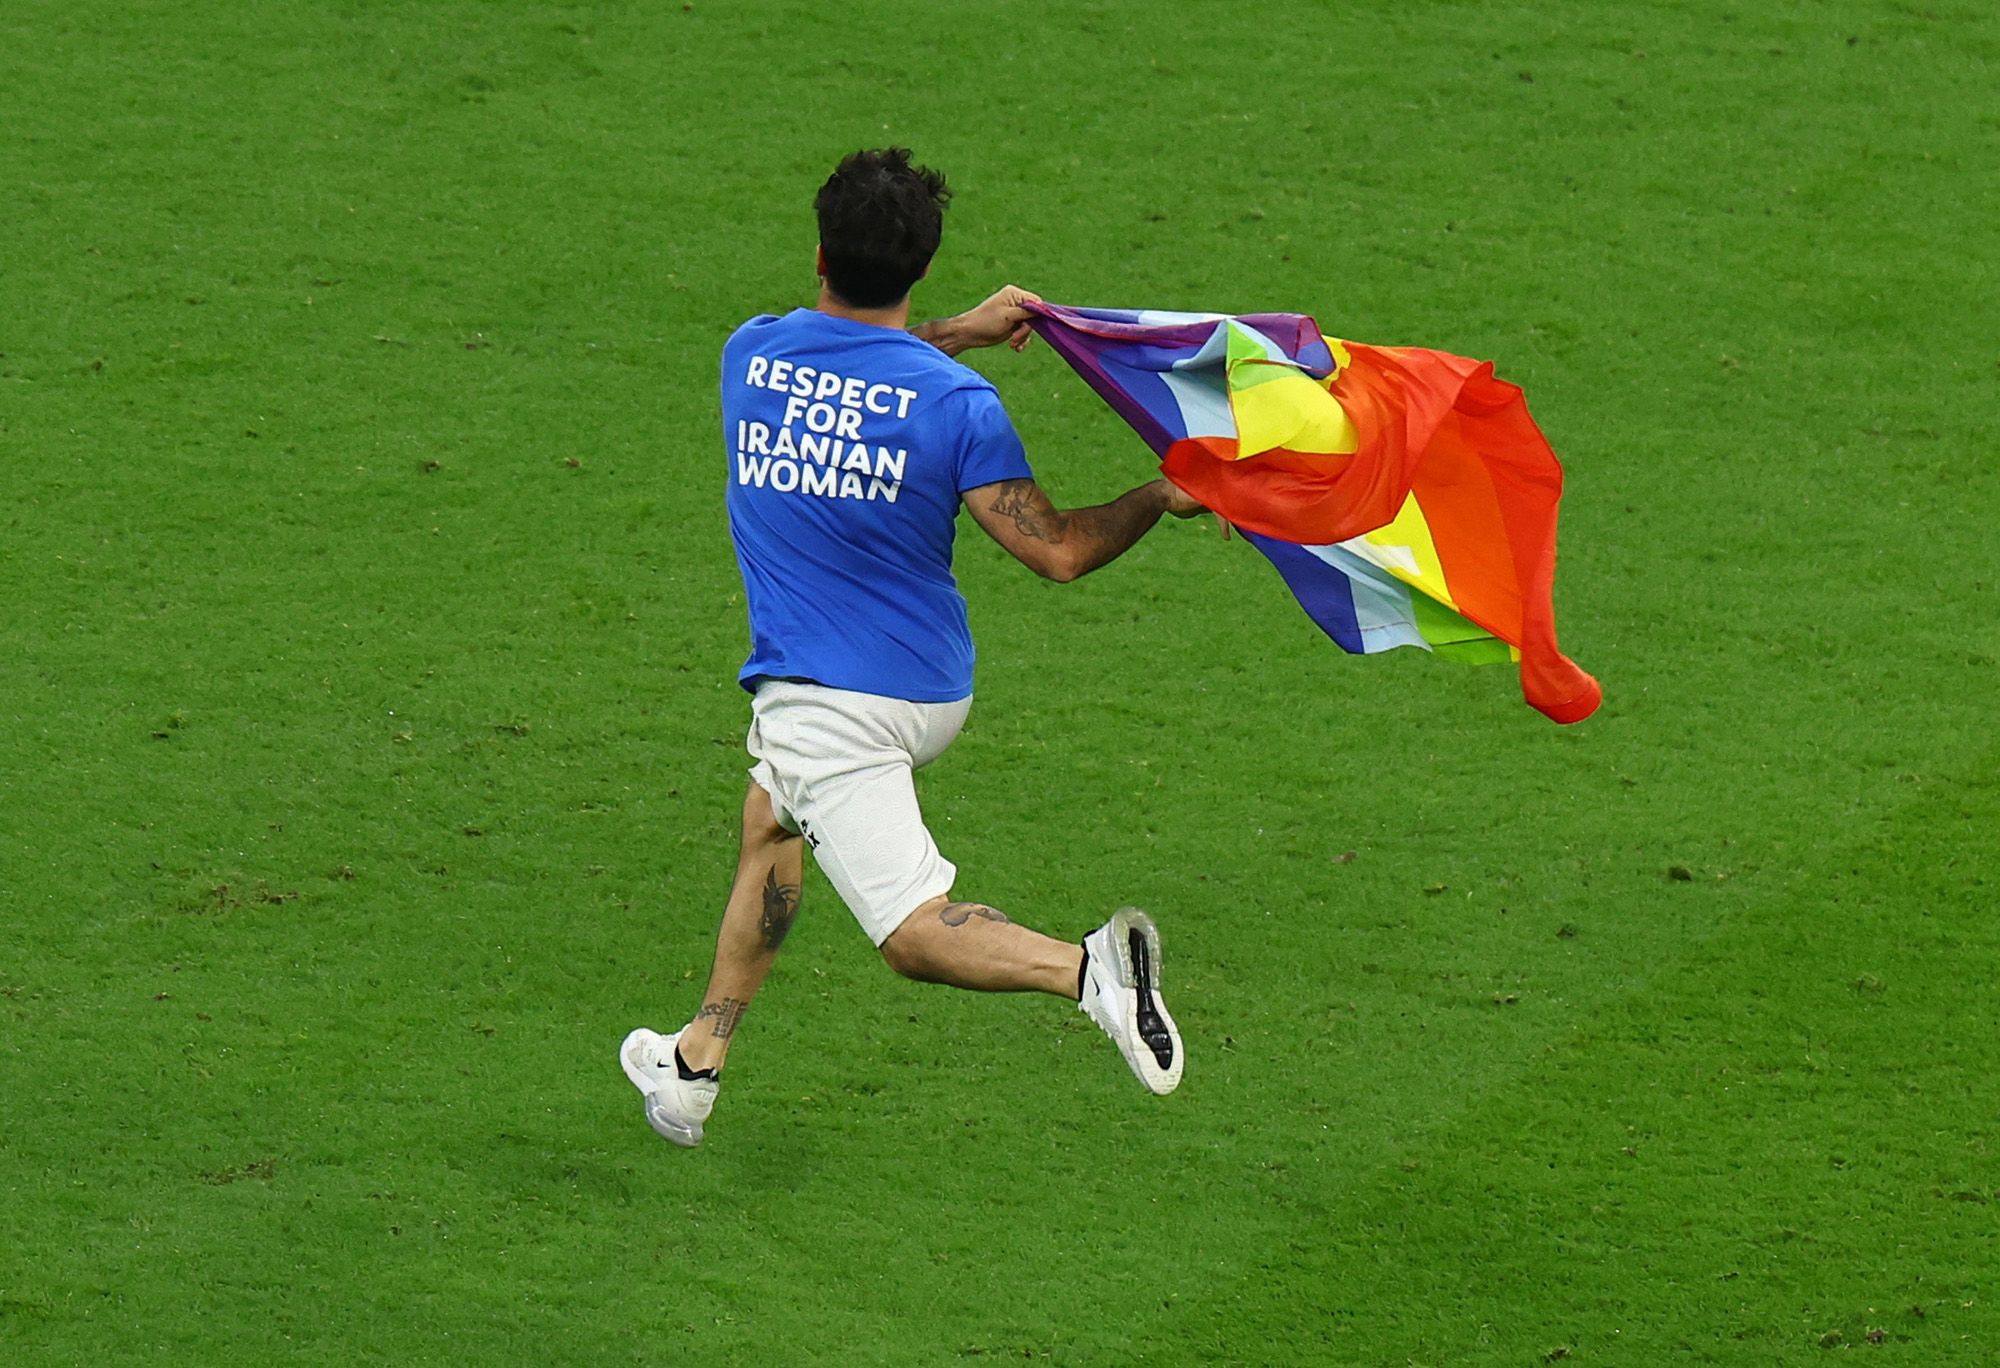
(997,318)
(1063,544)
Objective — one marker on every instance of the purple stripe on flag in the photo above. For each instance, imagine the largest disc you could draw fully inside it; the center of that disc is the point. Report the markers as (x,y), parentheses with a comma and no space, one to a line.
(1086,356)
(1297,335)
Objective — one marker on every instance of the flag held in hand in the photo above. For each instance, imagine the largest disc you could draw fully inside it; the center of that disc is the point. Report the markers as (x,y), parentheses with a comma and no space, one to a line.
(1405,495)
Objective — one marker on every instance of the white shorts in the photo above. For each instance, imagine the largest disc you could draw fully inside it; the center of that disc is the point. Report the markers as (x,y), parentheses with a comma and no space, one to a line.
(839,768)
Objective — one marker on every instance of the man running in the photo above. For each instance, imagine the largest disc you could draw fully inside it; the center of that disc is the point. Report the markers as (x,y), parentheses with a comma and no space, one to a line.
(853,440)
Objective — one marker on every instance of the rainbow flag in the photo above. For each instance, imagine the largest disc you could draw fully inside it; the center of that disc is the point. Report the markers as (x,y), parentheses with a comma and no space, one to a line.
(1405,495)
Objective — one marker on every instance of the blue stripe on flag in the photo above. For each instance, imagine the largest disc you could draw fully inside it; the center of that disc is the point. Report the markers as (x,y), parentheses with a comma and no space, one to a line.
(1325,593)
(1133,369)
(1384,606)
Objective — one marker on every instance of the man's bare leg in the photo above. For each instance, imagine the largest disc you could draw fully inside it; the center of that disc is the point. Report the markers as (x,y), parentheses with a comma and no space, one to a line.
(971,945)
(763,902)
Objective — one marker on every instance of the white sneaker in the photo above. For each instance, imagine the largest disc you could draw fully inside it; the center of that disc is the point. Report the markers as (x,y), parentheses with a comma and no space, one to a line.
(676,1107)
(1121,993)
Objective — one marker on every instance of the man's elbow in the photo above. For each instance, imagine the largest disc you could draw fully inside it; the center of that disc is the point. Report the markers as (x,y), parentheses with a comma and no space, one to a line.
(1060,565)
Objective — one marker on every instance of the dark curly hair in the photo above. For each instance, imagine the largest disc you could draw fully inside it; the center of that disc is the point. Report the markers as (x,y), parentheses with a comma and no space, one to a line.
(880,219)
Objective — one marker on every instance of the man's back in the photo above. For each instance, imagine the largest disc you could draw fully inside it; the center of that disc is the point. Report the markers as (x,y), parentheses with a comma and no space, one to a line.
(849,446)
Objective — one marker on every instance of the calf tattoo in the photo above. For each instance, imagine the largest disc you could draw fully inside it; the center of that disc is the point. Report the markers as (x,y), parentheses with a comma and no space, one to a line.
(781,908)
(958,913)
(724,1014)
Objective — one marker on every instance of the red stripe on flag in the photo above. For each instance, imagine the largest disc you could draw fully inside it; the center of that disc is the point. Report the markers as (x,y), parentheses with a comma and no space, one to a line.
(1484,474)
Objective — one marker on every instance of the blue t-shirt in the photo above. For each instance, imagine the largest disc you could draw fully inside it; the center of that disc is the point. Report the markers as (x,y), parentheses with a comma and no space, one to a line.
(849,445)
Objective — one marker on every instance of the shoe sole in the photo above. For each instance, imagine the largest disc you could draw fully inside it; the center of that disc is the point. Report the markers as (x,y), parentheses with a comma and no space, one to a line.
(1137,971)
(686,1136)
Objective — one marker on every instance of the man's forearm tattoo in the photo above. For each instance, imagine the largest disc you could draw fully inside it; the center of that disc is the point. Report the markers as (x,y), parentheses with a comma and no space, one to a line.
(781,908)
(723,1015)
(1030,510)
(958,913)
(1108,529)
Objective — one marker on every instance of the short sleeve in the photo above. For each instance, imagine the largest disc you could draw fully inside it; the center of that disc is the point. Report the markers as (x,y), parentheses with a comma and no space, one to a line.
(991,451)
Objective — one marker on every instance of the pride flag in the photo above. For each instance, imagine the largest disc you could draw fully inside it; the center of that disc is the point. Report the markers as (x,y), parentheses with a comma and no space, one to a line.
(1405,495)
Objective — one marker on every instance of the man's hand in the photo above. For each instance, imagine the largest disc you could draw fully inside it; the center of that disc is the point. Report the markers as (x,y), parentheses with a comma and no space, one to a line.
(1180,503)
(1000,318)
(996,319)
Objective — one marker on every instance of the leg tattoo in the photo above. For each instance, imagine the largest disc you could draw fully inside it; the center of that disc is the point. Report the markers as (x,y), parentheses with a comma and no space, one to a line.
(781,908)
(958,913)
(724,1014)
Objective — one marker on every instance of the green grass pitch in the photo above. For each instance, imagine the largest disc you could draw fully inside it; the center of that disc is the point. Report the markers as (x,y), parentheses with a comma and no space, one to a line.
(369,746)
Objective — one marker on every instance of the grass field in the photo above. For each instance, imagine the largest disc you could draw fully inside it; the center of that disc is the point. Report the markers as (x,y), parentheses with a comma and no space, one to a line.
(371,750)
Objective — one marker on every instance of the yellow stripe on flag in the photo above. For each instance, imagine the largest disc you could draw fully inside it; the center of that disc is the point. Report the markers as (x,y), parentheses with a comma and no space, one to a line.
(1408,552)
(1278,406)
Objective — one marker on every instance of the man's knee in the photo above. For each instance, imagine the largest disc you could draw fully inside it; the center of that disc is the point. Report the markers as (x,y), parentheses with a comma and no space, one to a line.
(909,950)
(760,820)
(905,958)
